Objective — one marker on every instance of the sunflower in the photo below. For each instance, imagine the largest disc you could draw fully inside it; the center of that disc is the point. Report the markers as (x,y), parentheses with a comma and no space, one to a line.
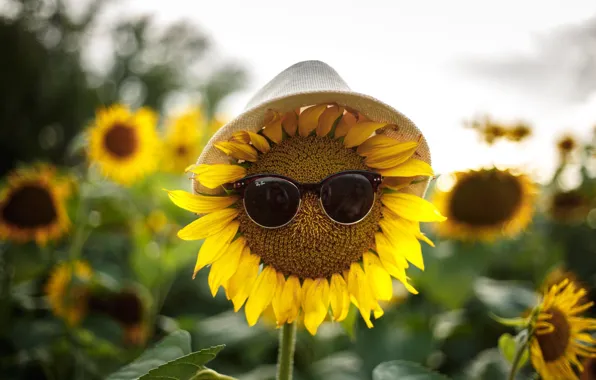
(311,263)
(182,142)
(566,145)
(67,296)
(124,144)
(560,335)
(519,132)
(489,130)
(32,205)
(485,204)
(127,308)
(570,206)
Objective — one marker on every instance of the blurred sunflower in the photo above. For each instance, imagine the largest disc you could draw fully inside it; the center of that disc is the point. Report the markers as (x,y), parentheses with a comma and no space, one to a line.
(311,263)
(519,132)
(156,221)
(68,294)
(569,206)
(124,144)
(125,307)
(566,145)
(32,205)
(560,335)
(182,141)
(492,132)
(485,204)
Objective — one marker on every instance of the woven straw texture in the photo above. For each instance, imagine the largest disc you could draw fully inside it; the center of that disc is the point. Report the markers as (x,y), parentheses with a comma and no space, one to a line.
(308,83)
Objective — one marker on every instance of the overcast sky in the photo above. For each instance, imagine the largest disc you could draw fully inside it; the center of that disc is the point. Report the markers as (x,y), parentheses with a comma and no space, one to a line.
(409,54)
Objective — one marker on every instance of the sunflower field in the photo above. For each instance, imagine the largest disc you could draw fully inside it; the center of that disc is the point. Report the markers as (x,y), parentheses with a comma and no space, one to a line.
(123,257)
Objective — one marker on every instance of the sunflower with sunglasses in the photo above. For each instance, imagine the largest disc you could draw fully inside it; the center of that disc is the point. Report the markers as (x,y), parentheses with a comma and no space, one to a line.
(313,217)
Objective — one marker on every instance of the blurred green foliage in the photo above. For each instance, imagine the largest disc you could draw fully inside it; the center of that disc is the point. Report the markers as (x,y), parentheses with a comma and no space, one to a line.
(53,77)
(49,94)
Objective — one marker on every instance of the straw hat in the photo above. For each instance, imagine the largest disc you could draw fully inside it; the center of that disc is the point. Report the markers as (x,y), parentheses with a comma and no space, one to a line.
(307,83)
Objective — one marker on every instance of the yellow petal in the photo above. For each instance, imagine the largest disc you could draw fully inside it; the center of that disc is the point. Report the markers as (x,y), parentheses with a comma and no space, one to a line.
(261,294)
(309,119)
(287,301)
(257,141)
(360,133)
(411,207)
(327,119)
(316,304)
(213,176)
(408,225)
(277,297)
(397,272)
(376,142)
(240,284)
(339,298)
(347,121)
(223,269)
(209,224)
(378,312)
(404,241)
(200,204)
(290,123)
(387,252)
(378,278)
(360,290)
(385,158)
(215,246)
(273,129)
(411,168)
(240,136)
(237,150)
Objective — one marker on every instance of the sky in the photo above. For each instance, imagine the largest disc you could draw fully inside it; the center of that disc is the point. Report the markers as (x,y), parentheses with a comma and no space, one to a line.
(413,55)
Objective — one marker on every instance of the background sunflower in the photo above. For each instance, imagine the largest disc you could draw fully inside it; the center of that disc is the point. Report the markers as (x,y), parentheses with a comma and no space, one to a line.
(32,205)
(486,204)
(124,144)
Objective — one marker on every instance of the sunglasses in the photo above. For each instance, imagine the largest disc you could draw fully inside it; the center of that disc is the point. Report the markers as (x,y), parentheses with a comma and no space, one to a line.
(272,201)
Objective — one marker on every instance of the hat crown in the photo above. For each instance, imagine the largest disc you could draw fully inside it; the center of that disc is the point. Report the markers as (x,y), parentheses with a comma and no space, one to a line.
(306,76)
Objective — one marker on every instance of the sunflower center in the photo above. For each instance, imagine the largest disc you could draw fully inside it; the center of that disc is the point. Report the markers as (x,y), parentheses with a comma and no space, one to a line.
(568,200)
(121,140)
(554,344)
(486,198)
(30,206)
(125,307)
(182,150)
(312,245)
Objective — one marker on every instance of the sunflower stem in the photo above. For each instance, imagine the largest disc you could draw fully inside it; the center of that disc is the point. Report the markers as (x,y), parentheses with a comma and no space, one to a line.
(519,354)
(285,358)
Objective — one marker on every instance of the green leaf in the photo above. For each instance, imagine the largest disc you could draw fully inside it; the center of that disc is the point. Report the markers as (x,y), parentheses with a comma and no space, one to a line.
(511,322)
(402,370)
(171,347)
(507,346)
(187,367)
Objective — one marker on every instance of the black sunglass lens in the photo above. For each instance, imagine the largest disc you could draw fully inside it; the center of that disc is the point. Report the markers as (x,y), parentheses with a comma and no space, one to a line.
(347,198)
(271,202)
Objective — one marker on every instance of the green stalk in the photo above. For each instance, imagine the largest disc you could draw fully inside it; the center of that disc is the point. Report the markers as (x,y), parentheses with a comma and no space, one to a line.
(287,344)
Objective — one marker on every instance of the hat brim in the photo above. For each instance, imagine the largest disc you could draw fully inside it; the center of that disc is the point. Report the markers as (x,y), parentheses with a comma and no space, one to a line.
(253,120)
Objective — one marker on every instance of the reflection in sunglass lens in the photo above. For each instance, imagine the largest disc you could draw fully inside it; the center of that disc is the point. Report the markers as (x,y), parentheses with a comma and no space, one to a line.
(271,202)
(347,198)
